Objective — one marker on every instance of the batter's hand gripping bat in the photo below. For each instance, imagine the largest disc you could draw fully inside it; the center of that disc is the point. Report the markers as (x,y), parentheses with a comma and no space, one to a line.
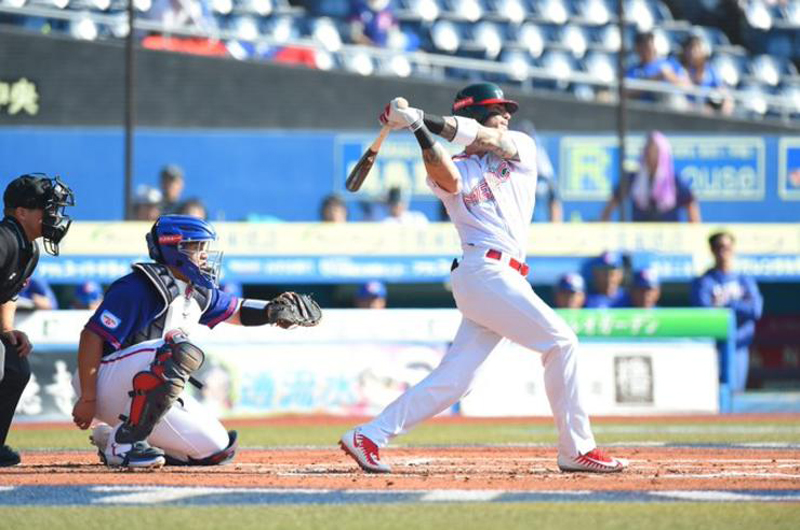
(360,171)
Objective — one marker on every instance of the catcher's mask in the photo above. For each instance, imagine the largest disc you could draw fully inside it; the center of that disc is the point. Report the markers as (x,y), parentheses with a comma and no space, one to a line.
(474,101)
(37,191)
(185,242)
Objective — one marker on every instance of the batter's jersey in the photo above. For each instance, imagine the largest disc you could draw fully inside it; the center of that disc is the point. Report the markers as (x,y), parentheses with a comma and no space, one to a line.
(481,219)
(132,303)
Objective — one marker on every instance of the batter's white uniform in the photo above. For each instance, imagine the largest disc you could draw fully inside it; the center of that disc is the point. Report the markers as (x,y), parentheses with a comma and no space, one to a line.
(188,429)
(492,212)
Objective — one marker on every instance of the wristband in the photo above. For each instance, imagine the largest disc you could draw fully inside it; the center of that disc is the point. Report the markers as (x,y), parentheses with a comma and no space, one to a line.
(434,123)
(253,312)
(414,127)
(424,138)
(466,131)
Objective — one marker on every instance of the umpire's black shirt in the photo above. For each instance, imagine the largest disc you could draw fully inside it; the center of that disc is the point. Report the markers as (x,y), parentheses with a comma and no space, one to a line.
(18,258)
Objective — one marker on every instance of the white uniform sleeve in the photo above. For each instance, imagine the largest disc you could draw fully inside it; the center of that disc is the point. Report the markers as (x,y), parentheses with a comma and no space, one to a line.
(526,147)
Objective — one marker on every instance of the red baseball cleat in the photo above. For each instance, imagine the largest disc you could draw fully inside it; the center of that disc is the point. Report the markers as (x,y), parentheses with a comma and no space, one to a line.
(595,461)
(364,451)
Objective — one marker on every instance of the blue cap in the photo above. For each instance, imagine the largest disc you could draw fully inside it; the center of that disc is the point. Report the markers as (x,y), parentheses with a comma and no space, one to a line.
(88,292)
(373,289)
(572,282)
(646,279)
(608,260)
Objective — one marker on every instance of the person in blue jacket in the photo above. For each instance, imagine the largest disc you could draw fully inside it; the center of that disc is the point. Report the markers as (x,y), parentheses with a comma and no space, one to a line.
(607,273)
(720,286)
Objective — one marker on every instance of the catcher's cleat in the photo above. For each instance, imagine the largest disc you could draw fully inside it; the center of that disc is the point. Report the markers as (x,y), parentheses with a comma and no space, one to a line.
(364,451)
(99,438)
(136,455)
(595,461)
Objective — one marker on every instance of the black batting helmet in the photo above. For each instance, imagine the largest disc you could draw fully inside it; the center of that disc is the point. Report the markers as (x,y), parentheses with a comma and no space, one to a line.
(472,101)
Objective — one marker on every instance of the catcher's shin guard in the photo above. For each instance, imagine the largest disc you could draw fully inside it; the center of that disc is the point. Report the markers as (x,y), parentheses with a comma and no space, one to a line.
(155,391)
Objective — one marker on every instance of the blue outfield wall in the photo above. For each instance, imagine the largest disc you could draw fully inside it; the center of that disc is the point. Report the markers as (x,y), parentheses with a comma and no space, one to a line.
(282,175)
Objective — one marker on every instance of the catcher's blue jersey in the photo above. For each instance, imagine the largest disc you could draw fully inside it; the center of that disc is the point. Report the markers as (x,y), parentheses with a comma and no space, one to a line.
(132,303)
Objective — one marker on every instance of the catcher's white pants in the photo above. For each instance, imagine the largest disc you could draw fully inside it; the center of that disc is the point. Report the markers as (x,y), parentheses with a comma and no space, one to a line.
(496,302)
(186,430)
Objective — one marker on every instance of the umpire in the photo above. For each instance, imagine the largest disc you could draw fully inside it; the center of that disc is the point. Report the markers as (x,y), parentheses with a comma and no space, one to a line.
(34,207)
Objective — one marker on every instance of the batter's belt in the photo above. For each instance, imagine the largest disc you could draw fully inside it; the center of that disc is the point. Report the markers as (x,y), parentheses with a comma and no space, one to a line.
(519,266)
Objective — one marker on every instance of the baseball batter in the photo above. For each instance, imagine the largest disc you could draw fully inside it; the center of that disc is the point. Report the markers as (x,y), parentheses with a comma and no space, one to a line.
(488,191)
(135,356)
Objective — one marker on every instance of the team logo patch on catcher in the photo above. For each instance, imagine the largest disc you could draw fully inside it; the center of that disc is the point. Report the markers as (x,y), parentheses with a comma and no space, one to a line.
(109,319)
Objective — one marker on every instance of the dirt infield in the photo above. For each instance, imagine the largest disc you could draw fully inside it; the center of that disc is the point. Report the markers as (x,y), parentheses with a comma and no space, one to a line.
(522,468)
(485,468)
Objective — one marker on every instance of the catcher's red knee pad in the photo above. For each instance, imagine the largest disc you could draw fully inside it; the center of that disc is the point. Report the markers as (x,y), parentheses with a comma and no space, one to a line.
(144,383)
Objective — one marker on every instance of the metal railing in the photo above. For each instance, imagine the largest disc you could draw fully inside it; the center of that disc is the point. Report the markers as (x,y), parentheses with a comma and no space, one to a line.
(431,64)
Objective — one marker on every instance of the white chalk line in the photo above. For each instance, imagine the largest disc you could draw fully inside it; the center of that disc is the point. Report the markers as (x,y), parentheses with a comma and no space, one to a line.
(728,474)
(720,496)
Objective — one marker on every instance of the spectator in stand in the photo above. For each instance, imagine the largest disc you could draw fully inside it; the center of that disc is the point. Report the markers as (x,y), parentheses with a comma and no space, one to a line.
(371,295)
(373,23)
(172,182)
(88,295)
(651,67)
(193,207)
(146,203)
(398,212)
(37,294)
(183,15)
(606,284)
(657,194)
(333,209)
(570,291)
(694,59)
(720,286)
(646,289)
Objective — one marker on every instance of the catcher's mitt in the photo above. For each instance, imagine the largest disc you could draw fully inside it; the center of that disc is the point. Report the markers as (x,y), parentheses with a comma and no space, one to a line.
(291,309)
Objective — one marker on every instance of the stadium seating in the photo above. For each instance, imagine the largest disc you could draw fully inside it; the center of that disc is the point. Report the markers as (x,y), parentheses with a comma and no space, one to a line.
(559,40)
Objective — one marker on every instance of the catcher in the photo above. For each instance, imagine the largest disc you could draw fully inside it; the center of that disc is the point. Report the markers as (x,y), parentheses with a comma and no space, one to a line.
(135,356)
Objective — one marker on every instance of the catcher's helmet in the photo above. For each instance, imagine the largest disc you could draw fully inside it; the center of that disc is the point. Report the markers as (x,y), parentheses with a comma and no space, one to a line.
(472,101)
(52,196)
(184,242)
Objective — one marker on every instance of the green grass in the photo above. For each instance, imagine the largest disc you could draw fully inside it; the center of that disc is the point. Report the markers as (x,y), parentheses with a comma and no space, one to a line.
(508,516)
(453,434)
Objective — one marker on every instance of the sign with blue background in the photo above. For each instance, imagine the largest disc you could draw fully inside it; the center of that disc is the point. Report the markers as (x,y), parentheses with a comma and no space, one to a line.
(789,169)
(284,176)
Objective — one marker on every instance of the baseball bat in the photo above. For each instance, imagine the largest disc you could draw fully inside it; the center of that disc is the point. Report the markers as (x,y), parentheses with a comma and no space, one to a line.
(360,171)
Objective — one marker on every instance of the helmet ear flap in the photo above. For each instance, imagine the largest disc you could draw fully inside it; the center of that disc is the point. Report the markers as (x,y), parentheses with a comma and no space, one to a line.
(153,247)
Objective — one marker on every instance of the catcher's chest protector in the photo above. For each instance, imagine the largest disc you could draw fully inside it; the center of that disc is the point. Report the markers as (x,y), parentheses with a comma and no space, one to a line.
(183,305)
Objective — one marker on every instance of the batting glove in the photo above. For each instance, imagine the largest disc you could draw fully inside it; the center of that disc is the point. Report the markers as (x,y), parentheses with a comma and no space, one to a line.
(397,118)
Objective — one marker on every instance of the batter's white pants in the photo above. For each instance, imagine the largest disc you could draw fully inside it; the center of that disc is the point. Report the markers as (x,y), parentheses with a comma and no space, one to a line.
(186,430)
(496,302)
